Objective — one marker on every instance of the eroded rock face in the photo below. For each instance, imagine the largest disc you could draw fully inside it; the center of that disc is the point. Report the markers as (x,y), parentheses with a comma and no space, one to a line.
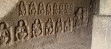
(47,24)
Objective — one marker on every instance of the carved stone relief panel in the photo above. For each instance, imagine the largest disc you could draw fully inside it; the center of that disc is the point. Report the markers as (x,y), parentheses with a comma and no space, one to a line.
(41,19)
(45,8)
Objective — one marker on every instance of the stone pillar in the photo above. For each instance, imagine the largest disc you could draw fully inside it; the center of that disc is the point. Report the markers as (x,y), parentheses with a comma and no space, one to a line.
(105,7)
(101,35)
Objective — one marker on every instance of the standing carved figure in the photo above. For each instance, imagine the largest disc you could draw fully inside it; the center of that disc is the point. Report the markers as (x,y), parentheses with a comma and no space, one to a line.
(59,25)
(71,9)
(74,21)
(22,8)
(67,25)
(32,9)
(49,27)
(48,9)
(4,34)
(55,9)
(85,16)
(41,9)
(79,15)
(37,30)
(21,31)
(61,9)
(66,8)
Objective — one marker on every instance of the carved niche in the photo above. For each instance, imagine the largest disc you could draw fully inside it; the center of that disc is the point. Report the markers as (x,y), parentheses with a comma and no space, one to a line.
(48,9)
(58,25)
(66,8)
(36,28)
(21,31)
(4,34)
(71,9)
(74,21)
(55,9)
(61,8)
(49,27)
(85,17)
(67,25)
(41,9)
(22,8)
(32,8)
(79,15)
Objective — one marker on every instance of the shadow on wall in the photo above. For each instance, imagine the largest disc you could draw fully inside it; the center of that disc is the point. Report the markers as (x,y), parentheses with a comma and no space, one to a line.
(6,6)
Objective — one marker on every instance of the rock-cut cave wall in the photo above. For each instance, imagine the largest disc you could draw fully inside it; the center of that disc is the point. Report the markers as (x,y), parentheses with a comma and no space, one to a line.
(47,24)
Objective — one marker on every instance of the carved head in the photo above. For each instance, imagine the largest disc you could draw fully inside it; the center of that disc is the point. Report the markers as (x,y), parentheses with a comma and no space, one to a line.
(21,23)
(49,20)
(79,13)
(55,5)
(37,21)
(61,7)
(59,20)
(41,5)
(68,20)
(22,4)
(48,6)
(32,4)
(80,10)
(2,25)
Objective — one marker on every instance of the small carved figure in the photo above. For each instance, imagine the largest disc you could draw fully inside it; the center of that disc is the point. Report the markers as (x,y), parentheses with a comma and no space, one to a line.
(37,30)
(79,15)
(66,8)
(32,9)
(22,8)
(85,16)
(67,25)
(75,21)
(49,27)
(59,25)
(55,9)
(48,9)
(4,34)
(61,9)
(21,31)
(71,8)
(41,9)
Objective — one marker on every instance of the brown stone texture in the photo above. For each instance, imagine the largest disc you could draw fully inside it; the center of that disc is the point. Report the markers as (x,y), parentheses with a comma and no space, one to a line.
(47,24)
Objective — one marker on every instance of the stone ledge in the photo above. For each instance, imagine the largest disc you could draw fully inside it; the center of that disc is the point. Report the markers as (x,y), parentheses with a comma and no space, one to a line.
(101,35)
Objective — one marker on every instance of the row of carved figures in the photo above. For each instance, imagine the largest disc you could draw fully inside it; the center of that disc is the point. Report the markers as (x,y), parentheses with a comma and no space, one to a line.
(43,9)
(21,30)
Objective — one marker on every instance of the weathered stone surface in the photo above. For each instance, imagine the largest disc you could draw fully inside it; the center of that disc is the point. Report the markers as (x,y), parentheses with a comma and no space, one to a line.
(46,24)
(6,6)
